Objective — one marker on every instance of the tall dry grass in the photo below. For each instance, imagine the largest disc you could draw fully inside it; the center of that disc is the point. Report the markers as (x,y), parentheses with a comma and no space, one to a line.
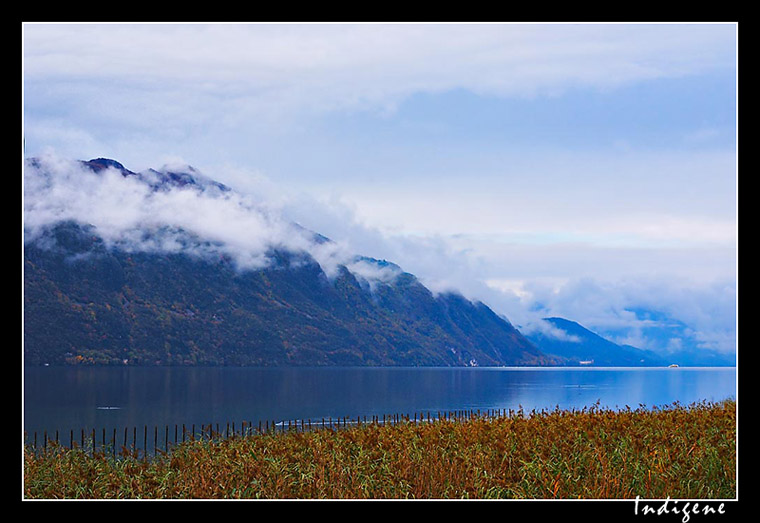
(679,451)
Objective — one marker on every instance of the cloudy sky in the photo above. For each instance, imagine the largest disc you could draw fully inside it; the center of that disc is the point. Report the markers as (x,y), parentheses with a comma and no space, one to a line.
(576,170)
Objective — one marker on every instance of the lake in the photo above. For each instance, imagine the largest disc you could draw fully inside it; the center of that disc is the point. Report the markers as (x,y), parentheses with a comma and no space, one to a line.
(76,398)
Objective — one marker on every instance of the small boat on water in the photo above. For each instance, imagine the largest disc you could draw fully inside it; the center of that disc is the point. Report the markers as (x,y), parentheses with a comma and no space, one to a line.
(672,366)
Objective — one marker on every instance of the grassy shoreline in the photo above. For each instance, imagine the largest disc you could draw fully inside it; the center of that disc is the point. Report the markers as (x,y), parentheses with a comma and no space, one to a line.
(686,452)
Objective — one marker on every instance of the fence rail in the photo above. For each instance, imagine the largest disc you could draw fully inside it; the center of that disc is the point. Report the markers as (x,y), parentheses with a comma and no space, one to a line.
(145,441)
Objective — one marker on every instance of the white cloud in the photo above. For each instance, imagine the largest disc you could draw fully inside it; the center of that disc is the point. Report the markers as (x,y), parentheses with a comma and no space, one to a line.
(121,208)
(181,79)
(374,273)
(706,309)
(375,61)
(547,329)
(639,199)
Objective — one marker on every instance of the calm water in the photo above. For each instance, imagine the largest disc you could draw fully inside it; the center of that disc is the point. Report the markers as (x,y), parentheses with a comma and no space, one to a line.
(70,398)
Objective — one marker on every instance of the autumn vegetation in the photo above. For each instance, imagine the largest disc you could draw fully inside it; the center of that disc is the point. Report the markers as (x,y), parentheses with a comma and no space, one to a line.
(86,303)
(595,453)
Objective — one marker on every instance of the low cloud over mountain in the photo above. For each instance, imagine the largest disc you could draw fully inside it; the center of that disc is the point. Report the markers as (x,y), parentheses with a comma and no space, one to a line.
(169,267)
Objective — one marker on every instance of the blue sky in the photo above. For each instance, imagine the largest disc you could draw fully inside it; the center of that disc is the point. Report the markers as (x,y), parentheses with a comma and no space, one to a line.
(518,163)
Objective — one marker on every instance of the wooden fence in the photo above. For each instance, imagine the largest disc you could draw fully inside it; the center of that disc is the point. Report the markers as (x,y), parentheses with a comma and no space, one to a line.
(146,441)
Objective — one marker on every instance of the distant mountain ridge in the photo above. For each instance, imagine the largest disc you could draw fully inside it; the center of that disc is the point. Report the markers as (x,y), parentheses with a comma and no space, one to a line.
(90,302)
(674,340)
(580,346)
(164,178)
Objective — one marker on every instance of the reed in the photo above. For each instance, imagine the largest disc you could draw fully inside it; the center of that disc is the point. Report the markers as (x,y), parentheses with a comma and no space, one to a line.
(595,453)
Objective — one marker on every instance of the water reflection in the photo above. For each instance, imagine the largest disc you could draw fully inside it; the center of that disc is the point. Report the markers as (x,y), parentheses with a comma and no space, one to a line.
(66,398)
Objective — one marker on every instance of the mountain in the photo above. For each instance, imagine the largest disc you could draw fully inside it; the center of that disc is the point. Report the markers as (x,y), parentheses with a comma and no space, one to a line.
(164,179)
(576,344)
(673,340)
(166,295)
